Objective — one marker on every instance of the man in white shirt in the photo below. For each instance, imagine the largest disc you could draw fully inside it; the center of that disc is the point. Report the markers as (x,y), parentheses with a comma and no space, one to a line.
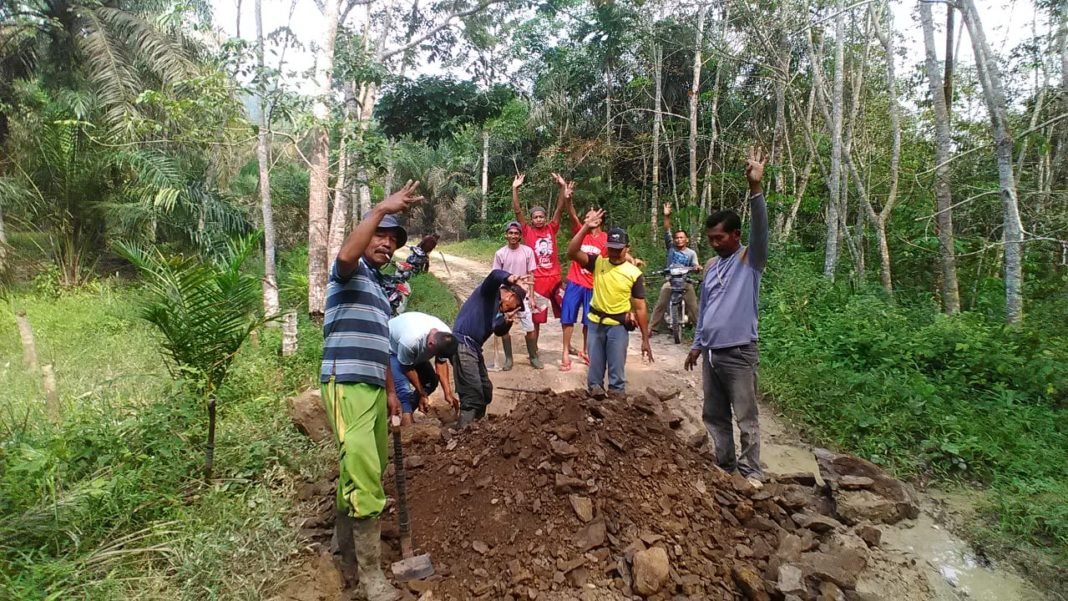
(415,338)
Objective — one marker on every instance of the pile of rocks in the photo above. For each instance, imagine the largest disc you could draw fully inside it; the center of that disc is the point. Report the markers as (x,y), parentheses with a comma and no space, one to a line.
(570,498)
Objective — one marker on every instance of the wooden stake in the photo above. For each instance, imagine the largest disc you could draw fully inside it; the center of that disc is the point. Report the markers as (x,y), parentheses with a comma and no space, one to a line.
(29,348)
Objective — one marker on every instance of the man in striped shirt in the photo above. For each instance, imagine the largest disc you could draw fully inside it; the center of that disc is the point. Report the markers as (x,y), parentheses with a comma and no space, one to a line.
(357,384)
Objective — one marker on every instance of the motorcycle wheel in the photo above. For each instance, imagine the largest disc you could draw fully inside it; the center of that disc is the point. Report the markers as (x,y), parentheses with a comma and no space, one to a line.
(676,324)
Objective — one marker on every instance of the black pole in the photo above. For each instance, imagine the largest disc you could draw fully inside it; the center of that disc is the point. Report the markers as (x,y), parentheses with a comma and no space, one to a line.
(209,452)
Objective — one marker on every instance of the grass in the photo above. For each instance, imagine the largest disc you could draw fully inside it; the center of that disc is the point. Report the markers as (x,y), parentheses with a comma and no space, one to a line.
(110,504)
(430,295)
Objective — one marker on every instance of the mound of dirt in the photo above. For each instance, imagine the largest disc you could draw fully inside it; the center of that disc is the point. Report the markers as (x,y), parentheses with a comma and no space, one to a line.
(571,498)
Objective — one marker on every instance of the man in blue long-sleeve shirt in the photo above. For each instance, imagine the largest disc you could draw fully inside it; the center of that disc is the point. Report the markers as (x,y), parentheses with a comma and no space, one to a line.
(726,337)
(491,309)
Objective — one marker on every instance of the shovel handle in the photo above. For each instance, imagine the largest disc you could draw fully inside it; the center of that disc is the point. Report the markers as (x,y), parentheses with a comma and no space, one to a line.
(402,494)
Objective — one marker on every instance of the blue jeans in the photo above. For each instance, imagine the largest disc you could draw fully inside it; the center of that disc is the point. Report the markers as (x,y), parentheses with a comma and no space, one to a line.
(608,349)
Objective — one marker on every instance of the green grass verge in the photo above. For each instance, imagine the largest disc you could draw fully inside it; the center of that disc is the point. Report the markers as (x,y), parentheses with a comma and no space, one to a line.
(430,295)
(110,504)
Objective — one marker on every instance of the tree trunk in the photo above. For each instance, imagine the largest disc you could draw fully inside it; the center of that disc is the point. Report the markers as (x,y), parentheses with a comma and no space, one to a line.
(695,96)
(485,173)
(706,196)
(994,95)
(339,211)
(943,195)
(319,172)
(289,334)
(782,73)
(209,449)
(367,108)
(658,60)
(947,79)
(834,182)
(610,157)
(263,158)
(387,180)
(880,220)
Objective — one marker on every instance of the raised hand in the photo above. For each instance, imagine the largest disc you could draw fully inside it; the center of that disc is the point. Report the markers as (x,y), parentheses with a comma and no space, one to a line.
(402,199)
(559,179)
(569,190)
(518,180)
(667,209)
(594,218)
(754,165)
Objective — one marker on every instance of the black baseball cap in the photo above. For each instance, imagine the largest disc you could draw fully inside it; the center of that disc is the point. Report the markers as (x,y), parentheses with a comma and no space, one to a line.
(617,238)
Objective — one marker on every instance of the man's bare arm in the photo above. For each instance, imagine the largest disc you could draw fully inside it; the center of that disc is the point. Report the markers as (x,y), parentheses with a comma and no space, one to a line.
(574,248)
(518,208)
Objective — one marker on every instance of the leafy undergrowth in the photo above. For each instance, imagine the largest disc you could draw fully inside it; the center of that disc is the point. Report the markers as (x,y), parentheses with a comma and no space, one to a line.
(961,398)
(111,504)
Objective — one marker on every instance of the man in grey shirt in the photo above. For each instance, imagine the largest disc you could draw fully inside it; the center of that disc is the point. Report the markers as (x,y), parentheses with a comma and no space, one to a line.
(726,337)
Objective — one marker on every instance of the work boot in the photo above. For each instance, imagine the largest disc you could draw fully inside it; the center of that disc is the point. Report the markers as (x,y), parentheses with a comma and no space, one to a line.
(506,342)
(467,416)
(369,557)
(597,392)
(345,549)
(532,350)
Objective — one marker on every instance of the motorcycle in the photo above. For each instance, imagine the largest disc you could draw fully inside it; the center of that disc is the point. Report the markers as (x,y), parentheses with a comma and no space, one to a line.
(397,290)
(678,277)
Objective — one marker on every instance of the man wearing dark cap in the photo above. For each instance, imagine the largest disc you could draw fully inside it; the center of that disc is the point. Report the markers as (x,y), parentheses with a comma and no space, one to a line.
(618,290)
(357,384)
(518,258)
(540,235)
(491,309)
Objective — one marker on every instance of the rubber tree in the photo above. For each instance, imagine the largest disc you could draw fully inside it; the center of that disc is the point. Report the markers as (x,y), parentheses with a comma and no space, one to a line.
(997,107)
(270,278)
(943,193)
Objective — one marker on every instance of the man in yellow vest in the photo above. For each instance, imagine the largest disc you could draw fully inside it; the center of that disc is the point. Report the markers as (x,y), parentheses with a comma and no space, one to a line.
(618,291)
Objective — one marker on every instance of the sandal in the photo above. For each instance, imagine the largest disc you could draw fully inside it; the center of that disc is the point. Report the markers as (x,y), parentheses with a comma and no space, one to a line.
(584,358)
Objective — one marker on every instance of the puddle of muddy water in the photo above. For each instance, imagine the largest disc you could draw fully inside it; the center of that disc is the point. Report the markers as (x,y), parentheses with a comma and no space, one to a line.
(954,561)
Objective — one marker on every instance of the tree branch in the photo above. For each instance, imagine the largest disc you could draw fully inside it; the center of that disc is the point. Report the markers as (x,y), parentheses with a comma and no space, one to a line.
(446,22)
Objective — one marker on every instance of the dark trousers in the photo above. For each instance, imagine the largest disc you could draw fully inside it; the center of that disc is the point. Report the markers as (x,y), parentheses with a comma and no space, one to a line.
(730,386)
(472,380)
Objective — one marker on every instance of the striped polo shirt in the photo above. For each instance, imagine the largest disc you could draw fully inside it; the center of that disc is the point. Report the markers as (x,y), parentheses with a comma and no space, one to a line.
(356,328)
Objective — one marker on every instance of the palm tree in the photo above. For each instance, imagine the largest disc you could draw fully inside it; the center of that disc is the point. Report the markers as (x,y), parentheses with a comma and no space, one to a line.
(205,311)
(107,44)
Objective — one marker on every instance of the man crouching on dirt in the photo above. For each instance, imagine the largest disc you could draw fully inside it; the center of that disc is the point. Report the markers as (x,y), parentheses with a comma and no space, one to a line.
(415,339)
(357,385)
(492,308)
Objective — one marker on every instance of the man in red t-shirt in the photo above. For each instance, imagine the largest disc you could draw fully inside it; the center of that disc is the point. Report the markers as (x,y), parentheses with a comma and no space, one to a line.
(579,290)
(540,235)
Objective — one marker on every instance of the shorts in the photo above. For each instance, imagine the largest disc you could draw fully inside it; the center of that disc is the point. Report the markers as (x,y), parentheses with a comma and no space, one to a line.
(546,292)
(525,318)
(406,394)
(576,298)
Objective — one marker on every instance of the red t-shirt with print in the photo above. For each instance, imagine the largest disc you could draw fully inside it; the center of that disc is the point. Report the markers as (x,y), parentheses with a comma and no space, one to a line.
(543,241)
(594,244)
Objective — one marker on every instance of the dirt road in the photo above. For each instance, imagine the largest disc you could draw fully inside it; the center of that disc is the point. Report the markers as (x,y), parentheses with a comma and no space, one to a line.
(930,562)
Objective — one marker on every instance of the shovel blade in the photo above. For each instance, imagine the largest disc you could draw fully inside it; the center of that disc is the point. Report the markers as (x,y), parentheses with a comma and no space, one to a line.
(413,568)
